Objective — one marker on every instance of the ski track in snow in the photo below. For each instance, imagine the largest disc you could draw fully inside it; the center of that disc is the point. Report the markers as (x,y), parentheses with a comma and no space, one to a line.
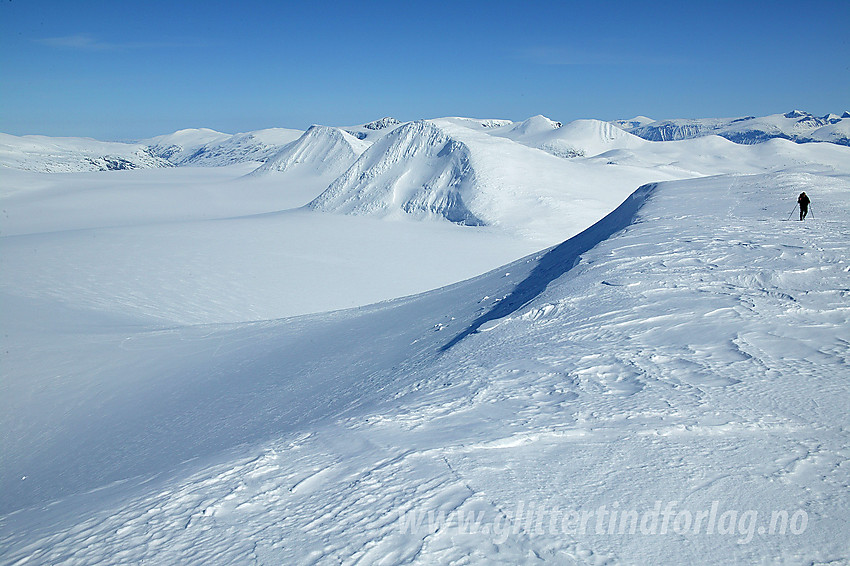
(698,355)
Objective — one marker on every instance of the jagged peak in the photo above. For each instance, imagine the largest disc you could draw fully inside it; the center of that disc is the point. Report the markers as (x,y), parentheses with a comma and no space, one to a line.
(796,114)
(382,124)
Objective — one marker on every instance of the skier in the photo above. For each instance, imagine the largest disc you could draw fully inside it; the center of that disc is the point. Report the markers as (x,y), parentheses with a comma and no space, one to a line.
(803,201)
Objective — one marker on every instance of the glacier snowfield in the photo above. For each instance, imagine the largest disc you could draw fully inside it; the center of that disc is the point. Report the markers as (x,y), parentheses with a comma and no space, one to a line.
(451,341)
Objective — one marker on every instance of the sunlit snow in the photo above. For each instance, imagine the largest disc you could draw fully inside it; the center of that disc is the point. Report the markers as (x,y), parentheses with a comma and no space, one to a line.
(446,341)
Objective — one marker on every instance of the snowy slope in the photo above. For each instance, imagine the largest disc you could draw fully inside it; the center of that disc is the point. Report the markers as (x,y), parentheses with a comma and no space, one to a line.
(693,363)
(416,169)
(445,170)
(239,148)
(182,144)
(195,147)
(321,150)
(46,154)
(201,245)
(579,138)
(796,125)
(836,132)
(632,123)
(458,170)
(159,402)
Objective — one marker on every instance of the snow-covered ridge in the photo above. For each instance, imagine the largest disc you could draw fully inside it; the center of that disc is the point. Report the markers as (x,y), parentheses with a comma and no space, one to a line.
(796,125)
(371,131)
(52,155)
(321,149)
(231,149)
(416,169)
(177,147)
(580,138)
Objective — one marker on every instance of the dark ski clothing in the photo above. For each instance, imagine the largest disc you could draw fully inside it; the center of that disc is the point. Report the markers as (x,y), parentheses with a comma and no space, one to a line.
(803,201)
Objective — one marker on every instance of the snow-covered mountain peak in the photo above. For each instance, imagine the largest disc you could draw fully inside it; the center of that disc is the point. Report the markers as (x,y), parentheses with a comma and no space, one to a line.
(206,147)
(177,146)
(321,150)
(416,169)
(382,124)
(598,129)
(580,138)
(796,114)
(796,125)
(190,135)
(633,123)
(535,125)
(372,131)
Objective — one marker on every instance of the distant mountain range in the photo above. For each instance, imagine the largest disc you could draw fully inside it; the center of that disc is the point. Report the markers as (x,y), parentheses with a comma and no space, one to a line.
(282,149)
(797,126)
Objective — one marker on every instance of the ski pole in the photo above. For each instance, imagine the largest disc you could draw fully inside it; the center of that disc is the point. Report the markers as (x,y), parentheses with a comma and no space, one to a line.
(792,212)
(812,210)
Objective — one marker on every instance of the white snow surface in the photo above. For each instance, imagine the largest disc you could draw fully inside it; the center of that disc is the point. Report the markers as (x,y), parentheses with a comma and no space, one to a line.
(684,352)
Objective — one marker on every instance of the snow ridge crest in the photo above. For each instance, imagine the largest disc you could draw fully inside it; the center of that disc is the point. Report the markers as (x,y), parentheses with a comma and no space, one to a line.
(417,169)
(321,149)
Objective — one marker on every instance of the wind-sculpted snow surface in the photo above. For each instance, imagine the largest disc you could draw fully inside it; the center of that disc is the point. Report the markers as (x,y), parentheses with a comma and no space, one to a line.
(557,261)
(677,395)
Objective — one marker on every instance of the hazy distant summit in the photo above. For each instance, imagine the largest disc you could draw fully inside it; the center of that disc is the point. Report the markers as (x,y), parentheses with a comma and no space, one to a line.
(796,125)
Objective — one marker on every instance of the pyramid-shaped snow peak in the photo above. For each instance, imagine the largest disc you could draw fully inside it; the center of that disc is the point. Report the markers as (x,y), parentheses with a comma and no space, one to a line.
(321,150)
(533,126)
(417,169)
(585,138)
(581,138)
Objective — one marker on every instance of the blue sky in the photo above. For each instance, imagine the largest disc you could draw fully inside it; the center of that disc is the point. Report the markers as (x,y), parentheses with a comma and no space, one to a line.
(126,70)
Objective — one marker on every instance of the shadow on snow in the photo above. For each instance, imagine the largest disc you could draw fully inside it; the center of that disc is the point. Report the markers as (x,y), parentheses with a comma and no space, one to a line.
(559,260)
